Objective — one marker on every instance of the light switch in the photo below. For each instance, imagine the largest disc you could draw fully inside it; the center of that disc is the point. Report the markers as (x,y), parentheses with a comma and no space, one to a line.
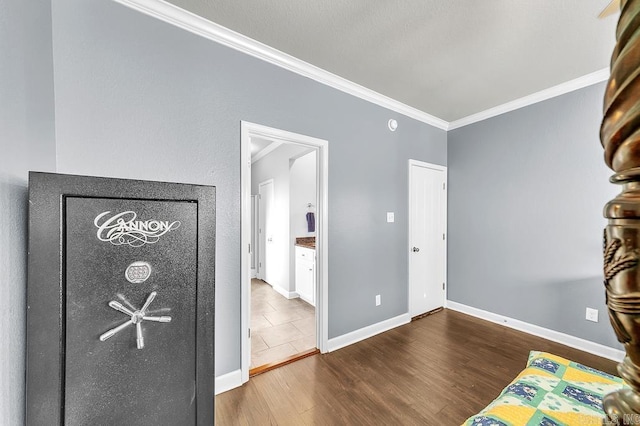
(390,217)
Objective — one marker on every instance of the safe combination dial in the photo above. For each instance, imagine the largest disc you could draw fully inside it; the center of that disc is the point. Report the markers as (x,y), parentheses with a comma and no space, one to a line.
(136,317)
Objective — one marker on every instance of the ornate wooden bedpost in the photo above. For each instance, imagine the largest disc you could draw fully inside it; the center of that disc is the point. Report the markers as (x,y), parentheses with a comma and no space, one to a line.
(620,136)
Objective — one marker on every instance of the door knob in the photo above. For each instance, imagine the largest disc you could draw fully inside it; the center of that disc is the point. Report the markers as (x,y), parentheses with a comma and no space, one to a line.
(415,249)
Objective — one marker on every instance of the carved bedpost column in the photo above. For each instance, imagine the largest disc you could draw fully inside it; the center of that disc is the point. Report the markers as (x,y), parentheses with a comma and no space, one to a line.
(620,136)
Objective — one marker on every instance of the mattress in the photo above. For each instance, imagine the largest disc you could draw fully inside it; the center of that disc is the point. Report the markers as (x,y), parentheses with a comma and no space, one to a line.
(550,391)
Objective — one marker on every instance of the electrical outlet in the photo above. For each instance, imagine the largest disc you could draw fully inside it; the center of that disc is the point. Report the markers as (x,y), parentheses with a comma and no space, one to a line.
(592,315)
(378,301)
(390,217)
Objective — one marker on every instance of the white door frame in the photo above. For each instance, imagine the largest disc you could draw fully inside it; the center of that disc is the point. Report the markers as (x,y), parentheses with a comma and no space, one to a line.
(247,131)
(416,163)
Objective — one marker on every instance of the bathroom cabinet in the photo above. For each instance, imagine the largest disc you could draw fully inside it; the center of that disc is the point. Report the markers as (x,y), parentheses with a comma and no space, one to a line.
(306,274)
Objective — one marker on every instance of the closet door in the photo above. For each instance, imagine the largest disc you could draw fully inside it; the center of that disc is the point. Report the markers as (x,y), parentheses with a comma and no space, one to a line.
(427,237)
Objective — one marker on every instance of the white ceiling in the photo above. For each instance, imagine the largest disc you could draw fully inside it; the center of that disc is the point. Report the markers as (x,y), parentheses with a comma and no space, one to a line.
(258,144)
(447,58)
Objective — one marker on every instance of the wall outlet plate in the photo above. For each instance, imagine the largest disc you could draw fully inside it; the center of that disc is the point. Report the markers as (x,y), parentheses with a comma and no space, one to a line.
(378,301)
(390,217)
(592,315)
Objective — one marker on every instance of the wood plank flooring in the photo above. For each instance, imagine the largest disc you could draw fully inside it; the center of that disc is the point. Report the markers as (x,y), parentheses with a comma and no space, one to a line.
(438,370)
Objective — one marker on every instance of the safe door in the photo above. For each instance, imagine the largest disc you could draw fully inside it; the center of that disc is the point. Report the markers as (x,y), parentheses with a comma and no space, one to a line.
(120,314)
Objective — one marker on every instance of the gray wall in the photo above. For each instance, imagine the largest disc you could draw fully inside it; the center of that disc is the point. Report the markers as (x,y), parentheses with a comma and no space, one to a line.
(138,98)
(27,142)
(526,192)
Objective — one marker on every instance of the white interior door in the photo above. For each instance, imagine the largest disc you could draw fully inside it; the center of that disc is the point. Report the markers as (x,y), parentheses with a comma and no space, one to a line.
(254,236)
(265,231)
(427,244)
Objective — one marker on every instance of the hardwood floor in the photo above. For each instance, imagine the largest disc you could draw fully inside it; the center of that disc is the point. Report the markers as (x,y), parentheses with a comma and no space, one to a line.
(438,370)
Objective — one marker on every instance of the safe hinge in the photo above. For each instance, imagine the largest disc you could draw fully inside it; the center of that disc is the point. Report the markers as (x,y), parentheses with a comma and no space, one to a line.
(249,333)
(249,248)
(444,185)
(443,236)
(443,286)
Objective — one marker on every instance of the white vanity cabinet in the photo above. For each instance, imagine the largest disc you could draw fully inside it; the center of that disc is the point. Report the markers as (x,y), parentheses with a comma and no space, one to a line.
(306,274)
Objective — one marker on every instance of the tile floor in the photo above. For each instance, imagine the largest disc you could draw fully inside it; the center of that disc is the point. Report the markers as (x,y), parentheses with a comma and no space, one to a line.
(280,327)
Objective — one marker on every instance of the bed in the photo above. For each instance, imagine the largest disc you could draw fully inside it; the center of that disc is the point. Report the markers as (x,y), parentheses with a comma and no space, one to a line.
(550,391)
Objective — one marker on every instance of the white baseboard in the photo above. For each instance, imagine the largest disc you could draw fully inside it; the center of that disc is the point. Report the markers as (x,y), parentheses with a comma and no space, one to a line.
(306,300)
(554,336)
(366,332)
(228,381)
(285,293)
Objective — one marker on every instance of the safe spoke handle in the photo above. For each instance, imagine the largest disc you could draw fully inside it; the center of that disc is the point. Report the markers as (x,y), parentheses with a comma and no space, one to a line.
(148,302)
(136,317)
(115,330)
(158,319)
(120,307)
(139,336)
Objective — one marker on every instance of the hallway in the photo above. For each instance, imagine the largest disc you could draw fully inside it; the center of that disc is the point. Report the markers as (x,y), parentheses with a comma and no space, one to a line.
(280,327)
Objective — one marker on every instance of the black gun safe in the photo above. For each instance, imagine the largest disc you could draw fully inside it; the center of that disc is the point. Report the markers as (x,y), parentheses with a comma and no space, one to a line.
(120,302)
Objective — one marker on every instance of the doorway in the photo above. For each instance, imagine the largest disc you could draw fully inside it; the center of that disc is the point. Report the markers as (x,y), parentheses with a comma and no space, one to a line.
(276,138)
(427,237)
(282,319)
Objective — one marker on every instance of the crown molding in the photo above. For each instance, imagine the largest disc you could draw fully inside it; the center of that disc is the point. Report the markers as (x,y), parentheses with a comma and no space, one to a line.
(174,15)
(543,95)
(195,24)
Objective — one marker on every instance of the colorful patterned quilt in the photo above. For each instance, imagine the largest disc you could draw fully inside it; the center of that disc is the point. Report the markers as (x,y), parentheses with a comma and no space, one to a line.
(551,391)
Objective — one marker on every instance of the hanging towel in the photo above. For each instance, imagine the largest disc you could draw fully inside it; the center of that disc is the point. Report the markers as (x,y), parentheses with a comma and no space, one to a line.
(311,222)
